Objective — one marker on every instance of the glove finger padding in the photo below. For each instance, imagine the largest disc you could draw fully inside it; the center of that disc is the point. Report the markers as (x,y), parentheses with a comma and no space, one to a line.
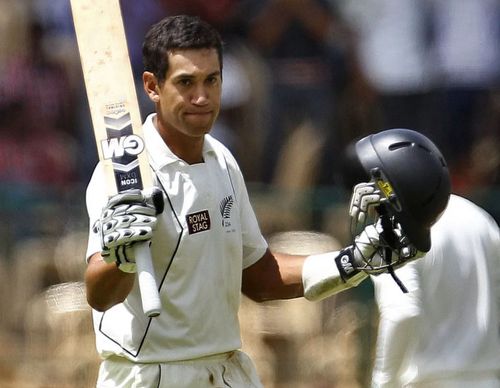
(125,209)
(126,235)
(127,218)
(365,196)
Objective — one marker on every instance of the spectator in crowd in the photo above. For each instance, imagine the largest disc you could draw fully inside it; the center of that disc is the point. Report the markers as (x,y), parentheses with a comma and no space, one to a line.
(392,46)
(37,146)
(295,38)
(466,48)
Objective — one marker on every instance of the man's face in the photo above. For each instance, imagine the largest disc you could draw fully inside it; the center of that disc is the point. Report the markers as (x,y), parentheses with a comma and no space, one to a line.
(189,98)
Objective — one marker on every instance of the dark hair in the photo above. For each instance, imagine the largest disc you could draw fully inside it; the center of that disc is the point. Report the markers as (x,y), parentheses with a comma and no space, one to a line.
(177,32)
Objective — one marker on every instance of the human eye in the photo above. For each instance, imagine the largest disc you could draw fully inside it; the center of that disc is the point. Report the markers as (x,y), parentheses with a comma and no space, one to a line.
(213,79)
(185,82)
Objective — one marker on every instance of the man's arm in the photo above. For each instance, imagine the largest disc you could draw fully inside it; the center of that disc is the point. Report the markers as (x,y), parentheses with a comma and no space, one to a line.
(106,285)
(285,276)
(274,276)
(398,325)
(318,276)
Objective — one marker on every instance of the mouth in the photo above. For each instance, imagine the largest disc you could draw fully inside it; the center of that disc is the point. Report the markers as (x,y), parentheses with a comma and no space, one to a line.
(204,118)
(199,113)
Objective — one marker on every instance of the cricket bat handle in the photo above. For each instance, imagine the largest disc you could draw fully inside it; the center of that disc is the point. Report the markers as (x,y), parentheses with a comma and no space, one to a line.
(150,296)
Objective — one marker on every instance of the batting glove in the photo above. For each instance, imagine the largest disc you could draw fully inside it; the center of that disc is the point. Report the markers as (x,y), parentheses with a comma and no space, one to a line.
(365,196)
(127,218)
(371,254)
(328,273)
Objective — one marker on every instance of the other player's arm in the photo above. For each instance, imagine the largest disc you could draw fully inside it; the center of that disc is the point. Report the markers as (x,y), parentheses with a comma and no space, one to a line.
(399,315)
(284,276)
(274,276)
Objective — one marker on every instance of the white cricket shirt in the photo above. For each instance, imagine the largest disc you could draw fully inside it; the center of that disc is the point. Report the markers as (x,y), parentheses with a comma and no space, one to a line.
(445,331)
(206,236)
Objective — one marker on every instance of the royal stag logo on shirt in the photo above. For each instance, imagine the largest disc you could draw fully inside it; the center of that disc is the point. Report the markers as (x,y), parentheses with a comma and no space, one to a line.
(198,222)
(225,210)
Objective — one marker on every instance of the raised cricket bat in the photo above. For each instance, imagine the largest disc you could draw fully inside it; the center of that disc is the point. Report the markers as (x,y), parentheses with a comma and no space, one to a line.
(115,115)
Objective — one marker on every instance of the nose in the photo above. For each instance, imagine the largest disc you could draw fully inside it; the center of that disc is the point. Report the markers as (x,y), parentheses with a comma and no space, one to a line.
(200,96)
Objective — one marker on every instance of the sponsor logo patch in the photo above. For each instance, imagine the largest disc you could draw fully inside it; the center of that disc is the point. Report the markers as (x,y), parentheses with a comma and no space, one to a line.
(346,264)
(198,222)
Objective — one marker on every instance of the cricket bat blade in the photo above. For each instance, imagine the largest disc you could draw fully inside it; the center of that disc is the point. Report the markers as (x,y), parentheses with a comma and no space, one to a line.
(116,118)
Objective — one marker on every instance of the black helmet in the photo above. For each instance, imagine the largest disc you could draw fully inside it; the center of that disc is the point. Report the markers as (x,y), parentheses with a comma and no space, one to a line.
(418,174)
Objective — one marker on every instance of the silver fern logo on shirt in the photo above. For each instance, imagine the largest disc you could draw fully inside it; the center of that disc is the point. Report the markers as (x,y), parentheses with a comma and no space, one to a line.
(225,210)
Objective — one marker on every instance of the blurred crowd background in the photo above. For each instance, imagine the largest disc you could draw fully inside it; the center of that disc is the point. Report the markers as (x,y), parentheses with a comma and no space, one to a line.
(302,78)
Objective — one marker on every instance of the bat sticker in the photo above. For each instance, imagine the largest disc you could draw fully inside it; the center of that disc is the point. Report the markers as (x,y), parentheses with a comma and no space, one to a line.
(122,146)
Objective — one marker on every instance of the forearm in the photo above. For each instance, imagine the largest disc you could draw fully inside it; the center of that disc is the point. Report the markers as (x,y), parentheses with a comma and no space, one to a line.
(285,276)
(290,279)
(274,276)
(105,284)
(327,274)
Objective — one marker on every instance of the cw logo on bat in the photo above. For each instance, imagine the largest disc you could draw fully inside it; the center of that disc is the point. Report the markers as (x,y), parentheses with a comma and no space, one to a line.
(116,147)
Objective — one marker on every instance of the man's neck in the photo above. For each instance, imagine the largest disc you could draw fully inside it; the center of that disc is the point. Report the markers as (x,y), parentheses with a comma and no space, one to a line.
(189,149)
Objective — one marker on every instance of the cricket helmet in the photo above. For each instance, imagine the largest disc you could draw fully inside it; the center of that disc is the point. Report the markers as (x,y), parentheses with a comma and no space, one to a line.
(412,173)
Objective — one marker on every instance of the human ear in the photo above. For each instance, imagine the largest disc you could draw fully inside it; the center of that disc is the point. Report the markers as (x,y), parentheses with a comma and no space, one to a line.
(151,87)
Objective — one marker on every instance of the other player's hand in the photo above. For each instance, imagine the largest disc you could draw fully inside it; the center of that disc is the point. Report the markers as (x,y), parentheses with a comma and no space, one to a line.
(371,249)
(127,218)
(369,252)
(364,197)
(366,245)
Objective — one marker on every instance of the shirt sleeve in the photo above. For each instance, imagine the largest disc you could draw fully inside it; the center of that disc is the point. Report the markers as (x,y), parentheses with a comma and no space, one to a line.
(254,244)
(494,238)
(398,315)
(96,199)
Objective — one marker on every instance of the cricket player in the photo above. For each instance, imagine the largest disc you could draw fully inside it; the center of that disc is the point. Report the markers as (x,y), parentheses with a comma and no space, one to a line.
(444,333)
(204,237)
(442,329)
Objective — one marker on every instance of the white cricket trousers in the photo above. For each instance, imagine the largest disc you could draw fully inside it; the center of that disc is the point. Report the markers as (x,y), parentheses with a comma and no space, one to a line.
(233,369)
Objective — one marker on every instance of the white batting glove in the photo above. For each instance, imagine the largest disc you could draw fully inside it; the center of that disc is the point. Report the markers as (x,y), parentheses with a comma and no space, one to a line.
(364,196)
(370,250)
(127,218)
(329,273)
(358,257)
